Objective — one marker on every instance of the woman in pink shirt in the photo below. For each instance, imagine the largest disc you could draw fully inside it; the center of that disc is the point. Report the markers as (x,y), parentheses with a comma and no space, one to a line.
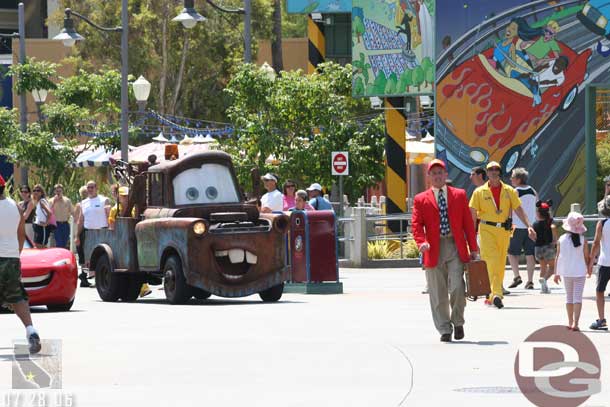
(289,189)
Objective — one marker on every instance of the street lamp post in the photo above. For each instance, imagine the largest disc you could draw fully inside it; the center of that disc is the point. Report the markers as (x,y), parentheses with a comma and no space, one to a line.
(69,36)
(189,18)
(141,90)
(23,114)
(40,96)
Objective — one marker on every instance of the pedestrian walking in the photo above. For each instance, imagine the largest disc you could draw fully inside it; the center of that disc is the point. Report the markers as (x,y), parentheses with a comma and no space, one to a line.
(317,200)
(93,215)
(12,293)
(444,232)
(62,208)
(493,203)
(601,246)
(478,176)
(520,241)
(82,192)
(28,210)
(42,227)
(273,200)
(572,265)
(545,248)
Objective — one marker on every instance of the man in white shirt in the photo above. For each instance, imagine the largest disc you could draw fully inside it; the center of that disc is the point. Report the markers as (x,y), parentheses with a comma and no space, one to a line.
(93,215)
(12,293)
(273,200)
(520,241)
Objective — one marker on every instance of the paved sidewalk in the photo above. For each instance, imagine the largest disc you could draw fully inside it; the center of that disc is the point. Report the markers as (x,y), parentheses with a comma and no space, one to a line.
(373,346)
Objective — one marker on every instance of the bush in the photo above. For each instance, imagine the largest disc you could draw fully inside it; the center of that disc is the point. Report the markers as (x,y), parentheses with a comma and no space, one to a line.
(390,249)
(379,250)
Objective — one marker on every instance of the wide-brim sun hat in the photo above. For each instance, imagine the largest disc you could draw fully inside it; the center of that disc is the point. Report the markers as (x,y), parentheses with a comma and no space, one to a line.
(574,223)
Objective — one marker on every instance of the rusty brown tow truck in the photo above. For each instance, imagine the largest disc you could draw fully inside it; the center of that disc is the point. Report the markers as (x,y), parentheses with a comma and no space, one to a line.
(193,232)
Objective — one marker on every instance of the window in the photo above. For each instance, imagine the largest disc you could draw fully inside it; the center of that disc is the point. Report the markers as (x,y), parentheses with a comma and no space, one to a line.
(338,38)
(212,183)
(155,189)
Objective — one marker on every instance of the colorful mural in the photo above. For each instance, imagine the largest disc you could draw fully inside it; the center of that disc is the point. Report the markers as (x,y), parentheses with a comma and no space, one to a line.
(392,47)
(319,6)
(510,88)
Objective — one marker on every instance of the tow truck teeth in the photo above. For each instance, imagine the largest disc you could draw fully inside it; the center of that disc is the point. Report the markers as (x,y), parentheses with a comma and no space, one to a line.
(251,258)
(237,256)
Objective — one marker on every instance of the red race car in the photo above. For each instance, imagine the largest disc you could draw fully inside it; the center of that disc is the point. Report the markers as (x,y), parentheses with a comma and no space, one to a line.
(49,276)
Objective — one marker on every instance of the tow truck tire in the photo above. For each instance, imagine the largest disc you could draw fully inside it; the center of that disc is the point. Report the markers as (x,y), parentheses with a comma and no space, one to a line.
(200,294)
(131,290)
(272,294)
(174,283)
(107,283)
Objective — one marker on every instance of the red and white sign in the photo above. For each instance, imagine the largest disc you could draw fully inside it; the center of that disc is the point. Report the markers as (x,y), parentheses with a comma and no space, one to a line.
(340,163)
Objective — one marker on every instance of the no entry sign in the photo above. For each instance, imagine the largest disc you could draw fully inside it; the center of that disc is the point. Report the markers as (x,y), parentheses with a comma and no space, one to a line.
(340,163)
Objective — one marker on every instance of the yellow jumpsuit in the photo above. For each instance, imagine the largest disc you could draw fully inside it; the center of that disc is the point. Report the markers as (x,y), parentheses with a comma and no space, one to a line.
(494,240)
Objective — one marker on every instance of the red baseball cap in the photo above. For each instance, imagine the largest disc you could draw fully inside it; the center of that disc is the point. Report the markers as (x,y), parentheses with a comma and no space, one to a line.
(436,162)
(2,182)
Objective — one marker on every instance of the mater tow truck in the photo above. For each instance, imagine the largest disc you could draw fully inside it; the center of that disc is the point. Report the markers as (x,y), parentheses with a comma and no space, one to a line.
(193,232)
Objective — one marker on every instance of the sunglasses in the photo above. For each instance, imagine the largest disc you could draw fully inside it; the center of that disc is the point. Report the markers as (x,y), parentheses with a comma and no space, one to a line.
(91,187)
(38,190)
(25,192)
(290,186)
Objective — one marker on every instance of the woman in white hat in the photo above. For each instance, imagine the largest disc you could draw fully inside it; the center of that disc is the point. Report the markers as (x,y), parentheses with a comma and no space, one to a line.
(572,264)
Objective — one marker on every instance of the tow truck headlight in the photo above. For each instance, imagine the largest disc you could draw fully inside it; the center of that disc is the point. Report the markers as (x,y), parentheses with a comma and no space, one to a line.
(199,228)
(602,22)
(586,8)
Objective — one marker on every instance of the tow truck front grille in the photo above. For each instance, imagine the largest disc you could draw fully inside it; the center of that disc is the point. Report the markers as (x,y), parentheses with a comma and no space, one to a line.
(240,227)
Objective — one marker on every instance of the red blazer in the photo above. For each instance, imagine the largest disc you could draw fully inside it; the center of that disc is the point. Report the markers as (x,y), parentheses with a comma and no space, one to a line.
(426,224)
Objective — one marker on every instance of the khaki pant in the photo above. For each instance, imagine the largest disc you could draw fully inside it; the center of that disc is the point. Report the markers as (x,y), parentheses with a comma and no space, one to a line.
(446,288)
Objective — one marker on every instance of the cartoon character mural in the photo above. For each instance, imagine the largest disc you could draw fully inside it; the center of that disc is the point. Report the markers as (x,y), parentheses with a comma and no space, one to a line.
(595,15)
(392,47)
(509,90)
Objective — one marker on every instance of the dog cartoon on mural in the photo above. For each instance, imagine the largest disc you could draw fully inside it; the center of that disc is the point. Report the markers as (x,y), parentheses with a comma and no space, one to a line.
(595,15)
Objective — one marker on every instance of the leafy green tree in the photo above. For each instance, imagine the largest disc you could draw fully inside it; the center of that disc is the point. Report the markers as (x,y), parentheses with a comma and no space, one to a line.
(358,28)
(362,67)
(358,89)
(378,87)
(300,120)
(391,84)
(188,69)
(418,77)
(32,75)
(406,79)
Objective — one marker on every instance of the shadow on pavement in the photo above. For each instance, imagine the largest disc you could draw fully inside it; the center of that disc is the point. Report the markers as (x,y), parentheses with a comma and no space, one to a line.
(480,343)
(522,308)
(213,302)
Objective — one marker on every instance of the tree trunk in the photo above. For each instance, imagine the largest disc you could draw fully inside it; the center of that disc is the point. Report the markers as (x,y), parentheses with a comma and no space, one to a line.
(163,76)
(276,41)
(185,47)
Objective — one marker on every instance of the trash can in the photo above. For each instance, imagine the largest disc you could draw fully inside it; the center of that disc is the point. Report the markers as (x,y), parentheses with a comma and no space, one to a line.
(314,263)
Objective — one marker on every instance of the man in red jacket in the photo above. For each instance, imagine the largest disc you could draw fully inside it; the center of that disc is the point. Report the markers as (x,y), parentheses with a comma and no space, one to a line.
(444,232)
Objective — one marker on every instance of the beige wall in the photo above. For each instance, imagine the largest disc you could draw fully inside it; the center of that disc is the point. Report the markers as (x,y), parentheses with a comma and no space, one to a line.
(42,50)
(294,52)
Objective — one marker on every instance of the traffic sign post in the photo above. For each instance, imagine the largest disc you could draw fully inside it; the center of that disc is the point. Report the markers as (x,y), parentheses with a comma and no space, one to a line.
(340,166)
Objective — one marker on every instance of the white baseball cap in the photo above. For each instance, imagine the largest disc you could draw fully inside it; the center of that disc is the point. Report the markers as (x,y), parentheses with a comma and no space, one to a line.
(269,177)
(315,187)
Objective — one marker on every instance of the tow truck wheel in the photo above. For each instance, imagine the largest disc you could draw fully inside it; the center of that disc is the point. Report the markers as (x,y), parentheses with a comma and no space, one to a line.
(272,294)
(174,283)
(108,284)
(200,294)
(131,289)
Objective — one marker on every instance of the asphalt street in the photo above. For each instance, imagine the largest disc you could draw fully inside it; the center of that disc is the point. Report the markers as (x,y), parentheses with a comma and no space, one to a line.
(375,345)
